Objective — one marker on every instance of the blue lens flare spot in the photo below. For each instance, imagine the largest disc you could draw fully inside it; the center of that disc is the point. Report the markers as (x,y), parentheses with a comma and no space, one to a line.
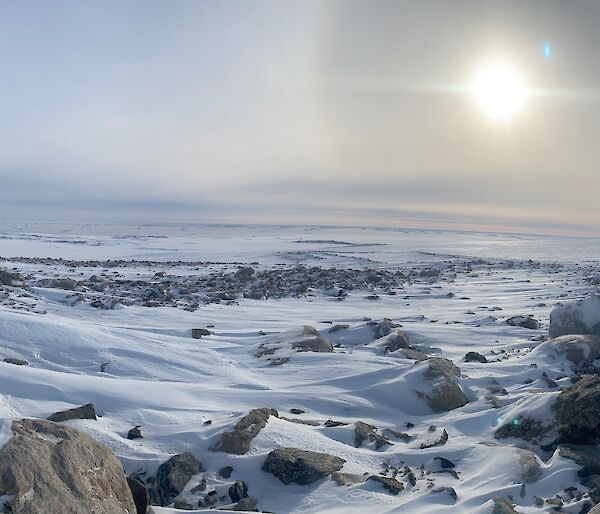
(547,50)
(515,421)
(499,420)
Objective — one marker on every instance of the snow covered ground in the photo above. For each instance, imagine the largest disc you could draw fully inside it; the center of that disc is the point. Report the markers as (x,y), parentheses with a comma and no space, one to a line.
(450,292)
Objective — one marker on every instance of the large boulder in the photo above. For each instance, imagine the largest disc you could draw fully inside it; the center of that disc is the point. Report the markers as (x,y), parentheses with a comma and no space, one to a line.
(446,393)
(531,470)
(172,477)
(523,322)
(581,350)
(45,467)
(141,496)
(237,442)
(292,465)
(581,317)
(578,411)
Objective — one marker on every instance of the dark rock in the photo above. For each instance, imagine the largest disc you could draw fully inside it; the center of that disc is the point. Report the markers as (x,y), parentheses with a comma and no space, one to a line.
(389,484)
(524,322)
(292,465)
(578,411)
(140,494)
(438,442)
(197,333)
(297,411)
(475,357)
(238,441)
(526,428)
(16,362)
(449,490)
(87,411)
(69,471)
(226,471)
(445,463)
(588,457)
(182,505)
(330,423)
(135,433)
(246,505)
(238,491)
(172,477)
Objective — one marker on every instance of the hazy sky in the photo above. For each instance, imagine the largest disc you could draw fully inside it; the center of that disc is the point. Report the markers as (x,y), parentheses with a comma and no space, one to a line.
(284,111)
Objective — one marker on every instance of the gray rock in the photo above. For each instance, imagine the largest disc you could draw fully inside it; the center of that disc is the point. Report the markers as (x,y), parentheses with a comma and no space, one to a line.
(87,411)
(578,410)
(197,333)
(446,396)
(7,279)
(348,478)
(69,471)
(246,505)
(226,471)
(140,494)
(172,477)
(528,429)
(475,357)
(581,317)
(312,341)
(450,490)
(382,328)
(396,341)
(389,484)
(135,433)
(531,471)
(524,322)
(440,367)
(365,432)
(581,350)
(292,465)
(238,441)
(16,362)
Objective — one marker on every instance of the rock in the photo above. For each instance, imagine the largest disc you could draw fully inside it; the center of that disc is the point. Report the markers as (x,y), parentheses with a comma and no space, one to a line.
(67,470)
(581,317)
(443,439)
(312,341)
(297,411)
(450,490)
(503,506)
(411,353)
(382,328)
(445,463)
(581,350)
(578,410)
(197,333)
(140,494)
(524,322)
(245,272)
(226,471)
(348,478)
(331,423)
(182,505)
(62,283)
(338,327)
(238,491)
(173,475)
(292,465)
(389,484)
(528,429)
(364,431)
(8,279)
(200,487)
(446,394)
(16,362)
(588,457)
(440,367)
(135,433)
(237,442)
(475,357)
(396,341)
(246,505)
(595,509)
(87,411)
(531,471)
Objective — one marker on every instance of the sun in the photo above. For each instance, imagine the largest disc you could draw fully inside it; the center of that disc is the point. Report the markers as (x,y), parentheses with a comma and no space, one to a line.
(500,91)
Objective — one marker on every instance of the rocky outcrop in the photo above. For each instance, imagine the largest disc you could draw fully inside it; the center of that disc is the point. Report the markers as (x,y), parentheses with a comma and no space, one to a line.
(291,465)
(578,411)
(524,322)
(87,411)
(238,441)
(47,467)
(172,477)
(581,317)
(475,357)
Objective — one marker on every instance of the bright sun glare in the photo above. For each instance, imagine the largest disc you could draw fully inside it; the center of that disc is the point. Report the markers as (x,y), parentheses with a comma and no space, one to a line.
(500,91)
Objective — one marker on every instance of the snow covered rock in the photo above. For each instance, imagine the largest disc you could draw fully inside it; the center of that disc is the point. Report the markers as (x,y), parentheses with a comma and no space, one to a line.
(382,328)
(237,442)
(524,322)
(475,357)
(47,467)
(581,317)
(289,342)
(503,505)
(172,477)
(578,410)
(581,350)
(531,471)
(390,484)
(395,341)
(8,279)
(292,465)
(365,432)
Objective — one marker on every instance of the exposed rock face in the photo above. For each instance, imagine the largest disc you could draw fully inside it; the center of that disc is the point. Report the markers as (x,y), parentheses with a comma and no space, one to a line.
(581,317)
(292,465)
(237,442)
(87,411)
(140,494)
(446,393)
(581,350)
(67,470)
(531,471)
(578,411)
(365,432)
(172,477)
(524,322)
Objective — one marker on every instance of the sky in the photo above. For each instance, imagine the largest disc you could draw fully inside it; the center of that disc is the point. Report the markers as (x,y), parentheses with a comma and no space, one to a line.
(352,112)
